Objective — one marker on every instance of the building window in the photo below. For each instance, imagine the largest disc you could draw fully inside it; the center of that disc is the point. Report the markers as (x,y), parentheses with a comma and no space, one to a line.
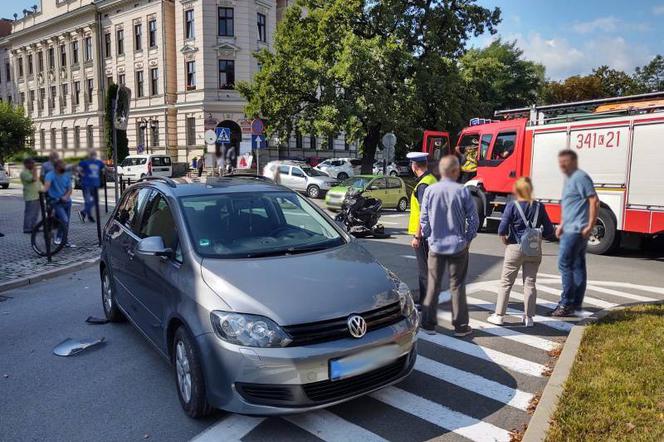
(51,99)
(312,142)
(139,84)
(31,68)
(87,48)
(77,137)
(53,143)
(90,88)
(42,139)
(65,139)
(119,37)
(51,57)
(42,98)
(65,93)
(63,56)
(138,37)
(77,93)
(40,61)
(189,30)
(191,75)
(107,44)
(191,131)
(154,130)
(8,72)
(330,142)
(152,24)
(298,140)
(20,67)
(154,81)
(89,136)
(140,135)
(74,52)
(225,24)
(121,79)
(226,74)
(262,28)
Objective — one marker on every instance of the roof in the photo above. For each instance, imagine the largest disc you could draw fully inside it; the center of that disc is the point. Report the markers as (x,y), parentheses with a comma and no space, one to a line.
(214,186)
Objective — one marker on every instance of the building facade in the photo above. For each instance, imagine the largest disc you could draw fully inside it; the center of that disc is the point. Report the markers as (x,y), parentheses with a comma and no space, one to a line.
(180,58)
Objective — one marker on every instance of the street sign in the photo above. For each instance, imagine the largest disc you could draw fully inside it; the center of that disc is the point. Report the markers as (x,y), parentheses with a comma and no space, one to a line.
(389,140)
(258,141)
(121,108)
(257,127)
(223,135)
(210,136)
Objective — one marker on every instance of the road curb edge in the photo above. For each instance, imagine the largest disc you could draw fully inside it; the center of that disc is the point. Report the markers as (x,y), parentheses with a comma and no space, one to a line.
(22,282)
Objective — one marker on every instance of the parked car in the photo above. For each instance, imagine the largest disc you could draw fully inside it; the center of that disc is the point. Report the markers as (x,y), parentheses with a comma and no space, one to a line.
(339,168)
(300,177)
(262,304)
(390,190)
(391,168)
(4,177)
(139,166)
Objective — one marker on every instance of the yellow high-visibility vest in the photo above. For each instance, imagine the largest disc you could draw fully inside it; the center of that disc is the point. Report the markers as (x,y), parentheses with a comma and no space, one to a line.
(414,220)
(470,165)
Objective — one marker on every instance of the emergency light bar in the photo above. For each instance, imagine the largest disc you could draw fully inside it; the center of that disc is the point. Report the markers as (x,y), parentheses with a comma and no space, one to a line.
(478,121)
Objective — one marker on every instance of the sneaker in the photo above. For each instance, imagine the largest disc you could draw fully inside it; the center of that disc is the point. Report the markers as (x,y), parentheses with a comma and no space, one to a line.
(70,245)
(81,215)
(528,321)
(91,219)
(562,312)
(428,331)
(464,330)
(57,241)
(495,319)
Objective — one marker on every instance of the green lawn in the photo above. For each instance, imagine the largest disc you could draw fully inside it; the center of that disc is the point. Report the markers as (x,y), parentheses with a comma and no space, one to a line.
(615,391)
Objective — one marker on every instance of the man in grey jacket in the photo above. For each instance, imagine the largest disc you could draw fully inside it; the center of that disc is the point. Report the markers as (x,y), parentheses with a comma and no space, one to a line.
(449,221)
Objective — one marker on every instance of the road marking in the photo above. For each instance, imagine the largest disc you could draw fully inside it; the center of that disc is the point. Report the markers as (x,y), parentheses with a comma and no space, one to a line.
(512,362)
(629,285)
(330,427)
(504,332)
(441,416)
(548,304)
(472,382)
(586,299)
(409,256)
(612,292)
(232,428)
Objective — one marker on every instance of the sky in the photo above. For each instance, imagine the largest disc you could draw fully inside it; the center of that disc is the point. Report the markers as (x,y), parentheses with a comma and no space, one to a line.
(568,36)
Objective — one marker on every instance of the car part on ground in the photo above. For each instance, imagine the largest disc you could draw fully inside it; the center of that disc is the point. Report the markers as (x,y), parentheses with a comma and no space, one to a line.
(71,347)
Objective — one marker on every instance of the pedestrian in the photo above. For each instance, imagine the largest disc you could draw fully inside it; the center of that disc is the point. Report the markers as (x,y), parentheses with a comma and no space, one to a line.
(449,221)
(200,165)
(522,226)
(580,206)
(49,165)
(58,190)
(194,162)
(31,187)
(419,166)
(469,154)
(90,170)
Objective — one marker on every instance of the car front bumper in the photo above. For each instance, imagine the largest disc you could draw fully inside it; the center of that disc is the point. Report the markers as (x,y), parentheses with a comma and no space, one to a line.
(272,381)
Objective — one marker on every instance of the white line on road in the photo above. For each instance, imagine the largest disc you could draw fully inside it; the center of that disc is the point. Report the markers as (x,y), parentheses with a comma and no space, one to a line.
(409,256)
(619,294)
(230,429)
(587,299)
(512,362)
(441,416)
(472,382)
(330,427)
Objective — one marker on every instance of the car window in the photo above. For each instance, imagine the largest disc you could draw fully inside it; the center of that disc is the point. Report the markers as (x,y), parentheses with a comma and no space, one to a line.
(504,146)
(133,161)
(284,170)
(484,145)
(296,171)
(379,183)
(393,183)
(131,206)
(310,171)
(158,221)
(467,140)
(358,182)
(161,161)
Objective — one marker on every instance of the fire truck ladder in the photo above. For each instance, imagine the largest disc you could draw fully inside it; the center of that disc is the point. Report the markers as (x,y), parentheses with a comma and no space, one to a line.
(586,110)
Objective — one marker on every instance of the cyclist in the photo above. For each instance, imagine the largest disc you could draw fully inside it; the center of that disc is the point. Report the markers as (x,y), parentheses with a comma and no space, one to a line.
(58,190)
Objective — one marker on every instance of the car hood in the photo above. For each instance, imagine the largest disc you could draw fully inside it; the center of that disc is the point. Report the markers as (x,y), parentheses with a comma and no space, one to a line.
(302,288)
(339,189)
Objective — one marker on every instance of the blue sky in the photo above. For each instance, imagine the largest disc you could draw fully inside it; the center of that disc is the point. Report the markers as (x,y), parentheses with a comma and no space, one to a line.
(567,36)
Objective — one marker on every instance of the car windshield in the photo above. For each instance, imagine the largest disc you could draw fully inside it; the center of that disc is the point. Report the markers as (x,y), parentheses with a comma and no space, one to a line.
(358,182)
(133,161)
(252,225)
(310,171)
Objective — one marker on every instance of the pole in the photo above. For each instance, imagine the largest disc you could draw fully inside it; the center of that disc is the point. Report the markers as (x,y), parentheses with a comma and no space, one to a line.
(114,138)
(258,160)
(97,217)
(47,225)
(105,193)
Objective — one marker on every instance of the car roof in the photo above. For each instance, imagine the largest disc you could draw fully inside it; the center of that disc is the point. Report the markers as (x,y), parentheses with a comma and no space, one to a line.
(179,187)
(146,155)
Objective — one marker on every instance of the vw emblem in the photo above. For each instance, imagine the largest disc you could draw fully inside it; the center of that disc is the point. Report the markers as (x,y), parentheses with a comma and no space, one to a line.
(357,326)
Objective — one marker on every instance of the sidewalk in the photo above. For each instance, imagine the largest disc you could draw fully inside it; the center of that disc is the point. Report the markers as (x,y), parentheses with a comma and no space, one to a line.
(19,261)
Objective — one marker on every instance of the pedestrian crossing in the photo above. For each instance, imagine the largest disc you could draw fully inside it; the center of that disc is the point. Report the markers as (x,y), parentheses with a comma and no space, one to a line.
(477,388)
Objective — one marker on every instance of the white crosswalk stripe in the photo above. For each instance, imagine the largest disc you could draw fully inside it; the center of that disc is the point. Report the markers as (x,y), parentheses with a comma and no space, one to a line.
(596,302)
(330,427)
(232,428)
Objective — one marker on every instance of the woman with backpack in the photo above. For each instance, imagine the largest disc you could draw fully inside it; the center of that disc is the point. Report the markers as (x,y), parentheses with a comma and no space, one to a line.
(523,224)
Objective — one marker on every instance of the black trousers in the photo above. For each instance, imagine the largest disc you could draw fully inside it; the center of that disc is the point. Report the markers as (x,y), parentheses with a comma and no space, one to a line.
(422,254)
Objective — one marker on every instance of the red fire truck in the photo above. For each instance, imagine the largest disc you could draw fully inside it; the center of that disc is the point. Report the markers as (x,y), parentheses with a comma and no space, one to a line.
(620,143)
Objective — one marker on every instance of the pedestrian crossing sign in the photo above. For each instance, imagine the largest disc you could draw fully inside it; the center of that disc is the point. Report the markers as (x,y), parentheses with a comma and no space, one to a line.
(223,135)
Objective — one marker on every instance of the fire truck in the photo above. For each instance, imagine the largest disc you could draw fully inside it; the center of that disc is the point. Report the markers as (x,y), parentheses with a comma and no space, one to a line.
(620,144)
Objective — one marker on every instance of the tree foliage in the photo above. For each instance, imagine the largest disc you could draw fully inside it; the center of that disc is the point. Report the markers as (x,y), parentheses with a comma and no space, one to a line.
(15,129)
(651,76)
(121,136)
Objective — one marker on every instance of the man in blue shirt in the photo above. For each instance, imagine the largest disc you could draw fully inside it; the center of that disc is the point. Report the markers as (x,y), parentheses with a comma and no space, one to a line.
(580,206)
(91,170)
(57,185)
(449,221)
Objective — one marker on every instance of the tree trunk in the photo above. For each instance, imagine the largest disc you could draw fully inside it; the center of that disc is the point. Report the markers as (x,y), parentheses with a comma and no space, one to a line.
(369,145)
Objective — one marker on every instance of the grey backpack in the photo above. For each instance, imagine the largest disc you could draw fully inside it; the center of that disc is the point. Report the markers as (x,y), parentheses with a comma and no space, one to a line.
(531,239)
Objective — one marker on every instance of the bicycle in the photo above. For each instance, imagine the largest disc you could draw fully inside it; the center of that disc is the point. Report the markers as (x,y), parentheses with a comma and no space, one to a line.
(40,239)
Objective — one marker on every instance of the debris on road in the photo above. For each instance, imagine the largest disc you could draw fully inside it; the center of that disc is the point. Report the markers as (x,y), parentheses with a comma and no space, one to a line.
(71,347)
(96,321)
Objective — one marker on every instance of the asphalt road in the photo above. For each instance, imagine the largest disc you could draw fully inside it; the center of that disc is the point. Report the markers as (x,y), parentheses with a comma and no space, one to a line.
(476,388)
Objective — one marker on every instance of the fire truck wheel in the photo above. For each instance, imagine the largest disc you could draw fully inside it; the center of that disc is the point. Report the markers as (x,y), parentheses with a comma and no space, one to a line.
(604,237)
(480,211)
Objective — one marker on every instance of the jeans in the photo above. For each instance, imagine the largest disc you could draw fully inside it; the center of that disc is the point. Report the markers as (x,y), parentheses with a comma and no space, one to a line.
(457,266)
(515,260)
(89,198)
(30,215)
(422,254)
(62,211)
(572,266)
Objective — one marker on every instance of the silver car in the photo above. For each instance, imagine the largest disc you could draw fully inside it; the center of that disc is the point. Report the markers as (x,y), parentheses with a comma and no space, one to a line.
(301,177)
(262,304)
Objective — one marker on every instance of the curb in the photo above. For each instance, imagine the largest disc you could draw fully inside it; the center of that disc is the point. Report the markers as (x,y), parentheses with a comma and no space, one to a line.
(22,282)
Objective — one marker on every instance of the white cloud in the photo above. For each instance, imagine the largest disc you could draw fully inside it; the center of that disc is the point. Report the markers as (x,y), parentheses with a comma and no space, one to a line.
(603,24)
(658,9)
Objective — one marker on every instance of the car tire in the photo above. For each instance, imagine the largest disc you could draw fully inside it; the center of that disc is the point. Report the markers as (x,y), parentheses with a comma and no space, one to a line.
(605,236)
(342,176)
(402,205)
(111,309)
(480,211)
(313,191)
(189,379)
(394,173)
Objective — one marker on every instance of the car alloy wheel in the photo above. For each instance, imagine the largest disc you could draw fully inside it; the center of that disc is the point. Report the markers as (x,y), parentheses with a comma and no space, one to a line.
(313,191)
(183,371)
(107,294)
(403,205)
(342,176)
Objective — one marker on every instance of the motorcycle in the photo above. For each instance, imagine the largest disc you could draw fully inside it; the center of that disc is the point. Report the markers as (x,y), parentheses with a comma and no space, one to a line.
(359,215)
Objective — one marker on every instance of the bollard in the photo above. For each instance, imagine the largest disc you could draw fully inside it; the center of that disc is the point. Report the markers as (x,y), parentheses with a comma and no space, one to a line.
(47,225)
(105,194)
(96,197)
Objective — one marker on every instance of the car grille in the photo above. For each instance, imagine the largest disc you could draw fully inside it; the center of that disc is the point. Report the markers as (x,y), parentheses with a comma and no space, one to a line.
(322,392)
(333,329)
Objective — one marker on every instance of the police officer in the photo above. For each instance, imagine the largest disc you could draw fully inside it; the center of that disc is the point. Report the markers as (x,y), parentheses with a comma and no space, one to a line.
(419,166)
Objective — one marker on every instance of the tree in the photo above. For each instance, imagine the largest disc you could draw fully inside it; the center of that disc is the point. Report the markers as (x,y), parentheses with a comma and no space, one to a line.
(121,135)
(500,78)
(15,129)
(358,66)
(575,88)
(651,76)
(615,83)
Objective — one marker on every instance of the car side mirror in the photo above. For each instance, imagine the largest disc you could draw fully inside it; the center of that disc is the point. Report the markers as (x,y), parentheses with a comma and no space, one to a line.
(153,246)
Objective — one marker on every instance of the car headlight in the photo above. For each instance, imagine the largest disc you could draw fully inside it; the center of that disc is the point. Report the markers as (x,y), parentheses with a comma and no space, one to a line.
(405,296)
(248,330)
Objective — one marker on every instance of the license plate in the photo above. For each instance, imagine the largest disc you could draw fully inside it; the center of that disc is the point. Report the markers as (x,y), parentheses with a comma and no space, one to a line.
(363,362)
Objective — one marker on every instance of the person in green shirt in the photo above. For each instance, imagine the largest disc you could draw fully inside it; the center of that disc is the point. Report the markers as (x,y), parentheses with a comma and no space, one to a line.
(31,188)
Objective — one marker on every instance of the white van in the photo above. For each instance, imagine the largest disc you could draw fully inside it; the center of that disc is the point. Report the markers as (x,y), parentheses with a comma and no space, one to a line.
(139,166)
